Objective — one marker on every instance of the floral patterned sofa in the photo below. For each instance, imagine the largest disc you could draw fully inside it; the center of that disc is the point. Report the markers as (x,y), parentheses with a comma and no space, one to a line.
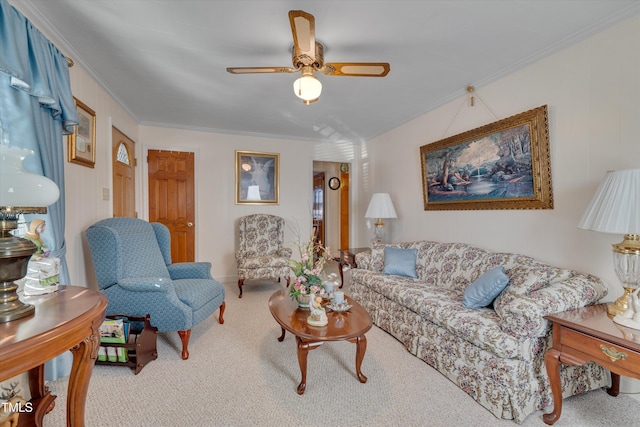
(495,354)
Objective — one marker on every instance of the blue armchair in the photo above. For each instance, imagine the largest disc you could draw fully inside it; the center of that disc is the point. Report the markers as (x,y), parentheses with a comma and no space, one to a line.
(132,260)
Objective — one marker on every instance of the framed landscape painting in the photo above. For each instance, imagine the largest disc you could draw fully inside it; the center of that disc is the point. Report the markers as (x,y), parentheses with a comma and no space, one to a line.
(502,165)
(257,178)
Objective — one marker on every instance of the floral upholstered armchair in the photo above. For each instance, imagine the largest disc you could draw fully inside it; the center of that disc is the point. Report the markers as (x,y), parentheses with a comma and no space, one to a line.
(132,260)
(260,253)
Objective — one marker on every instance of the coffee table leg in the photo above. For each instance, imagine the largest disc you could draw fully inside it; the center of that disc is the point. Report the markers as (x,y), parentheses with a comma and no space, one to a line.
(303,351)
(361,348)
(281,337)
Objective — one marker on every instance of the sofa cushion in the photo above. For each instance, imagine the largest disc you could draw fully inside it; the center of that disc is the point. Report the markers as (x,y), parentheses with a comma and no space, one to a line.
(400,262)
(452,265)
(482,291)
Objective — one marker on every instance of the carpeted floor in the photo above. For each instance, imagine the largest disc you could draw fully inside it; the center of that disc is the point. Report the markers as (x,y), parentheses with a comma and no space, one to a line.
(238,374)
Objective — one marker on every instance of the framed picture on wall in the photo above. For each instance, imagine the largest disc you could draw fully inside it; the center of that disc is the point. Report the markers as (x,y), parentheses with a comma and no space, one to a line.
(257,178)
(82,142)
(502,165)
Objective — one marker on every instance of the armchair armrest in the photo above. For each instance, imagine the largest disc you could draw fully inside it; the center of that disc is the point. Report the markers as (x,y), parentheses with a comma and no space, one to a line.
(285,252)
(190,270)
(146,284)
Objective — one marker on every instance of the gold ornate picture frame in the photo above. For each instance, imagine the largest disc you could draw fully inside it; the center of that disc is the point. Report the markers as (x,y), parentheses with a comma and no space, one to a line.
(82,142)
(257,178)
(502,165)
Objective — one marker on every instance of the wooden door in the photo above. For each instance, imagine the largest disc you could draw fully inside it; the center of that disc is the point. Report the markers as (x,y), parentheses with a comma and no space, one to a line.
(124,177)
(172,199)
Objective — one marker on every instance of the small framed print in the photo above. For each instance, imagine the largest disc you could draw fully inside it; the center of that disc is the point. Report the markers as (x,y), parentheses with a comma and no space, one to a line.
(82,142)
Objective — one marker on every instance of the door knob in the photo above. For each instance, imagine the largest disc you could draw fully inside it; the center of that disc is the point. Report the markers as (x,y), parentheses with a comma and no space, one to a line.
(189,224)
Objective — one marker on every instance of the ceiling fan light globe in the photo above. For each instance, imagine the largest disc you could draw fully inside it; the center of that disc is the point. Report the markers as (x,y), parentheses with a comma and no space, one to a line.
(307,88)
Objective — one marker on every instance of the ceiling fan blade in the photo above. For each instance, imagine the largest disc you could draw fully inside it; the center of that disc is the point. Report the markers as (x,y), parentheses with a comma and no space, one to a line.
(360,69)
(304,36)
(253,70)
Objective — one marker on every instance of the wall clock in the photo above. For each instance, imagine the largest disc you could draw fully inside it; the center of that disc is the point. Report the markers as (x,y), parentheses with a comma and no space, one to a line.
(334,183)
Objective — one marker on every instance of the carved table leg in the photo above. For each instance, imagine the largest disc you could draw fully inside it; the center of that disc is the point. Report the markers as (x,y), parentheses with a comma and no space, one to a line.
(615,385)
(281,337)
(41,397)
(340,267)
(84,357)
(303,351)
(552,360)
(361,348)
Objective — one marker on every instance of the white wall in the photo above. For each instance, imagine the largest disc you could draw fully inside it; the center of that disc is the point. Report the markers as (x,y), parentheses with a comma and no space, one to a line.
(592,90)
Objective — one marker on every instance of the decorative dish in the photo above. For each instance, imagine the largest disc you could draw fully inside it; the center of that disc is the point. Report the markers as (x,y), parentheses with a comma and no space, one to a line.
(345,306)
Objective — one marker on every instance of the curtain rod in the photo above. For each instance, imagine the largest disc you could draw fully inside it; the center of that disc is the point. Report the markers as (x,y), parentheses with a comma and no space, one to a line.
(69,62)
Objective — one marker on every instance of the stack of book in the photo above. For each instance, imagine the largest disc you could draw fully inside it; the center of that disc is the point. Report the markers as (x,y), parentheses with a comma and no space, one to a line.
(114,331)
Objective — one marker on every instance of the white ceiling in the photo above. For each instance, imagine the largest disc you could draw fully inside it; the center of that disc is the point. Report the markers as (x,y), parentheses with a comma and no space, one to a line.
(165,60)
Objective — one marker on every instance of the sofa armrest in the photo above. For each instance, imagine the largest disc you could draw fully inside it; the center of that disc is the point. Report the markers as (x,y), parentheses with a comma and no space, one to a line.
(523,315)
(146,284)
(190,270)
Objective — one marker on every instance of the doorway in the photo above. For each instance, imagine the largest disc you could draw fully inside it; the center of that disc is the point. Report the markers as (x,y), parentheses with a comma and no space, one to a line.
(124,175)
(331,203)
(172,199)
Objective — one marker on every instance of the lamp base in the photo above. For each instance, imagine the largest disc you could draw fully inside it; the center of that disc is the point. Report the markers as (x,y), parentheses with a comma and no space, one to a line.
(621,305)
(15,254)
(11,308)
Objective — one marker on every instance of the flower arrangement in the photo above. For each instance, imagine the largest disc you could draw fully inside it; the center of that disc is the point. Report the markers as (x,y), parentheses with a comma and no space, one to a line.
(309,269)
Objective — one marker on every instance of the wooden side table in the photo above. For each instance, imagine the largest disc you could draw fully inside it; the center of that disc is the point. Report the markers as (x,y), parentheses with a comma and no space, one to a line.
(68,319)
(588,334)
(348,257)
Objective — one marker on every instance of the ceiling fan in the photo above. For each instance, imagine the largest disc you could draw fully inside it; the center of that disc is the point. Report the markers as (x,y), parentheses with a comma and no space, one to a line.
(308,57)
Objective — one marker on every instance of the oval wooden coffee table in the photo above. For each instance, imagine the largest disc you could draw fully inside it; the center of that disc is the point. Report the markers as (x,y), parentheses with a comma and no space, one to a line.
(350,326)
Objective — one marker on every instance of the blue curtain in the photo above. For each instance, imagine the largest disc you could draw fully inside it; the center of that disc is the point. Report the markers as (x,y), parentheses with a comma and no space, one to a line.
(36,110)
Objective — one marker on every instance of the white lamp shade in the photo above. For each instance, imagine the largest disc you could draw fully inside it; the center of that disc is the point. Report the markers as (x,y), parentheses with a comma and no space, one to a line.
(307,88)
(615,208)
(381,206)
(20,188)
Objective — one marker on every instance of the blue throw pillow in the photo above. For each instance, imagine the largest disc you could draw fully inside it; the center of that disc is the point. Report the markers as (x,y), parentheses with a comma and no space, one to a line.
(400,262)
(485,288)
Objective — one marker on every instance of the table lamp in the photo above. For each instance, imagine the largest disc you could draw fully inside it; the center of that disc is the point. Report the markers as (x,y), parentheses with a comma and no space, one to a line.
(20,192)
(615,208)
(380,207)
